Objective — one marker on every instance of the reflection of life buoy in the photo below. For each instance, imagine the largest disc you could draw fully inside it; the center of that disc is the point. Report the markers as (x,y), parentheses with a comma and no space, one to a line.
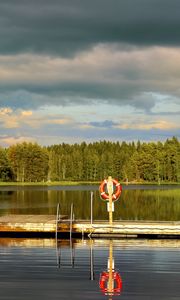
(117,285)
(104,194)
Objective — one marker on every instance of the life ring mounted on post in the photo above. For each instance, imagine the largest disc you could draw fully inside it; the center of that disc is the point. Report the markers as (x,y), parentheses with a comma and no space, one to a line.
(104,193)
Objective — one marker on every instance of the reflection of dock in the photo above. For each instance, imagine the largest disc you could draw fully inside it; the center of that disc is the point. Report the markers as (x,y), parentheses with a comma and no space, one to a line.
(47,225)
(129,244)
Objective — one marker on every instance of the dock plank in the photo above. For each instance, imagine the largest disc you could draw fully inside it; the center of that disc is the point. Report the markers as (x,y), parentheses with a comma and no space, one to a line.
(47,224)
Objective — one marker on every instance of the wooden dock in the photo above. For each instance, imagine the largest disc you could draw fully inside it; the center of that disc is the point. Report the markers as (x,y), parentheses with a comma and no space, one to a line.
(42,225)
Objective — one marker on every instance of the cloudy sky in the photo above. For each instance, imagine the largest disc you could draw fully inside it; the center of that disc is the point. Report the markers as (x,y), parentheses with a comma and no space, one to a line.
(80,70)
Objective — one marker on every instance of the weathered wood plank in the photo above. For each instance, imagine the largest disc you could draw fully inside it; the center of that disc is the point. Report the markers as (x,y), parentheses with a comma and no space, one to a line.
(47,224)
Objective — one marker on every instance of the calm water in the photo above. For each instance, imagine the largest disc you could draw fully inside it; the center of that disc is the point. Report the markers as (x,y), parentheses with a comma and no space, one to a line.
(136,202)
(37,269)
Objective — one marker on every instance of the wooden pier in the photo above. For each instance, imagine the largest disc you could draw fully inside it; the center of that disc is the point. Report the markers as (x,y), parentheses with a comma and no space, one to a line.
(41,225)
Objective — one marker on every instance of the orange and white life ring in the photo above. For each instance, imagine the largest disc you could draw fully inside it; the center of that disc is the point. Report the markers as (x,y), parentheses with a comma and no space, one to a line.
(103,190)
(117,285)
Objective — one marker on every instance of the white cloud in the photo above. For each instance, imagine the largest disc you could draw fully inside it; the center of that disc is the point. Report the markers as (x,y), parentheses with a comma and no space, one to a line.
(26,113)
(11,140)
(147,125)
(64,98)
(5,111)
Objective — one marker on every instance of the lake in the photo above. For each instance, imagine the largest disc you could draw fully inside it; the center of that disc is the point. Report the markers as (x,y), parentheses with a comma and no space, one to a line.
(35,269)
(138,269)
(148,202)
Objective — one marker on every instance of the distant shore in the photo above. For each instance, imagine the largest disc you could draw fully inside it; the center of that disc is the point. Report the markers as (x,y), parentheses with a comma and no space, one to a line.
(75,183)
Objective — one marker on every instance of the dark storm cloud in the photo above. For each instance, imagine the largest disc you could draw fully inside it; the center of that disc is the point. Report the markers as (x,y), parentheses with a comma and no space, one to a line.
(104,124)
(32,97)
(104,74)
(65,27)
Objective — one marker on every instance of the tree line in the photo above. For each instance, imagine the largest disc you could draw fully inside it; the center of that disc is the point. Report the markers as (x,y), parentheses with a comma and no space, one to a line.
(151,162)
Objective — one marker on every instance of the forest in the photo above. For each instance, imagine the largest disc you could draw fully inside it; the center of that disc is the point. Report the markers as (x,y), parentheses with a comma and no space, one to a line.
(136,162)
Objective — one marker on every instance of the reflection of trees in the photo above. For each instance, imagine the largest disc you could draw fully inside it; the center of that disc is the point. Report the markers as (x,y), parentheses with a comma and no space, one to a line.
(133,204)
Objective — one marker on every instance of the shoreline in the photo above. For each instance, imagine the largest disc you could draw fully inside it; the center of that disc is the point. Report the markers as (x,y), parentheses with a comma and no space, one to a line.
(76,183)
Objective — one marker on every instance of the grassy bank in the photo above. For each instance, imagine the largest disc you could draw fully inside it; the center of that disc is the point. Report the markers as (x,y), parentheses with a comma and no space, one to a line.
(50,183)
(74,183)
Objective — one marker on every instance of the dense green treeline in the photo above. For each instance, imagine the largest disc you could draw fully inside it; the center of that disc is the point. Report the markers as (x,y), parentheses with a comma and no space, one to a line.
(155,162)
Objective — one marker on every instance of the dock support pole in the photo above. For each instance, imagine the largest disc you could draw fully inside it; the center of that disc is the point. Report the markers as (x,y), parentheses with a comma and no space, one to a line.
(91,209)
(57,220)
(71,220)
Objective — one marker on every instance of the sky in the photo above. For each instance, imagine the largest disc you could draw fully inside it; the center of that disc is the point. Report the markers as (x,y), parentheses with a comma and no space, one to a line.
(80,70)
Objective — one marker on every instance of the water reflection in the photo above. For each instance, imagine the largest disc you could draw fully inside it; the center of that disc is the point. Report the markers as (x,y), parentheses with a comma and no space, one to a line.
(136,203)
(110,281)
(92,274)
(128,244)
(150,269)
(68,262)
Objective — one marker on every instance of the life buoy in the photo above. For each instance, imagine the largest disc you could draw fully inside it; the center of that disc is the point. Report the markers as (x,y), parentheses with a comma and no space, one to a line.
(104,194)
(117,285)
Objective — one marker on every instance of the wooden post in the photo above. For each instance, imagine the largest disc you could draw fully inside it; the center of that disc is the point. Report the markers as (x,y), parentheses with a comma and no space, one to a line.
(110,192)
